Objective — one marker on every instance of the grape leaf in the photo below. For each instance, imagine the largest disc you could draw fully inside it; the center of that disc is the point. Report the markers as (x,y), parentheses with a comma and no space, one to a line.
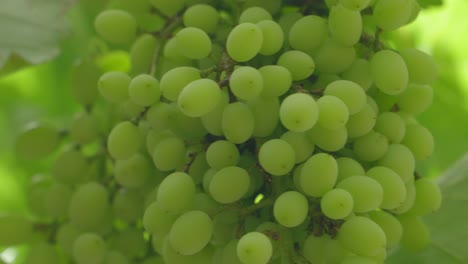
(30,31)
(449,235)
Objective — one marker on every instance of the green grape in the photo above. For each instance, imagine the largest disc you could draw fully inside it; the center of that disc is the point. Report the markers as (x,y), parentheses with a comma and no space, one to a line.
(229,253)
(318,175)
(350,93)
(415,236)
(37,141)
(229,184)
(84,128)
(246,83)
(367,193)
(389,71)
(173,54)
(191,232)
(199,97)
(354,259)
(168,7)
(273,37)
(362,122)
(299,64)
(390,225)
(362,236)
(333,58)
(360,73)
(254,14)
(290,208)
(348,167)
(193,43)
(373,104)
(276,157)
(337,204)
(428,197)
(130,242)
(225,224)
(89,248)
(172,256)
(400,159)
(66,235)
(299,112)
(276,80)
(265,111)
(391,14)
(134,171)
(222,153)
(186,127)
(415,99)
(237,122)
(84,79)
(286,21)
(202,16)
(113,86)
(356,5)
(173,81)
(410,198)
(116,26)
(212,121)
(371,146)
(308,33)
(169,153)
(124,140)
(115,257)
(204,202)
(141,53)
(333,112)
(57,200)
(156,220)
(272,6)
(314,248)
(176,191)
(391,125)
(14,230)
(300,143)
(422,68)
(88,206)
(419,140)
(394,190)
(42,253)
(70,167)
(244,42)
(153,138)
(199,165)
(154,260)
(274,230)
(144,90)
(329,140)
(345,25)
(127,205)
(254,248)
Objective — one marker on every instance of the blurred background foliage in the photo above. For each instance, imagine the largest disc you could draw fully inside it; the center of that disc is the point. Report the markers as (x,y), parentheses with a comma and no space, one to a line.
(36,66)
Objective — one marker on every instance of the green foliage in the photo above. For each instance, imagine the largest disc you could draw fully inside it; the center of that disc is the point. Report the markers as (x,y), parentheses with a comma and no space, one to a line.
(449,235)
(31,32)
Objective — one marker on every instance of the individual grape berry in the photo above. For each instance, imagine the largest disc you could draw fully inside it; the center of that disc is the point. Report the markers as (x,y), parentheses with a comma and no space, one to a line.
(37,141)
(202,16)
(244,42)
(299,112)
(276,157)
(193,43)
(299,64)
(254,14)
(337,204)
(291,208)
(362,236)
(89,248)
(254,248)
(116,26)
(191,232)
(144,90)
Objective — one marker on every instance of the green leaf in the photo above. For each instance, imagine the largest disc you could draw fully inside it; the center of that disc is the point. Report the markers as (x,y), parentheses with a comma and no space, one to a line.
(449,235)
(30,30)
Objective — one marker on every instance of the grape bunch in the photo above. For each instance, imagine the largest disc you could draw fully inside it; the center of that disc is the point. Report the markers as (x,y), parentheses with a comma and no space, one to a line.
(250,132)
